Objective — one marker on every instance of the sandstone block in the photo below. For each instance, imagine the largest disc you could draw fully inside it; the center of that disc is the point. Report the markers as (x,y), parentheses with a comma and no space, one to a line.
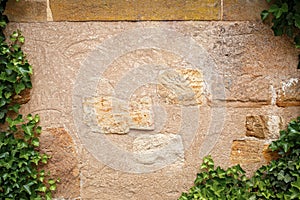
(159,149)
(141,113)
(248,90)
(63,163)
(262,127)
(27,11)
(243,10)
(245,151)
(107,114)
(289,93)
(74,10)
(181,86)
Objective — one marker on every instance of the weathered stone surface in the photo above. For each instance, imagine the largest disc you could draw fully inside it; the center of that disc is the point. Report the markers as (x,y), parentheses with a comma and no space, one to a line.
(158,149)
(108,114)
(57,50)
(66,10)
(63,163)
(246,151)
(182,86)
(141,114)
(255,90)
(263,127)
(289,93)
(243,10)
(99,179)
(27,11)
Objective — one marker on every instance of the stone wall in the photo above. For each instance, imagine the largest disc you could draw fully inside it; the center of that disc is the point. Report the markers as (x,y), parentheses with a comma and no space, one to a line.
(130,107)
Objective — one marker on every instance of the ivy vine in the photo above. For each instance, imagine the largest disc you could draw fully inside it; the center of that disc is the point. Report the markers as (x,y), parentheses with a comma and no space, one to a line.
(278,180)
(20,158)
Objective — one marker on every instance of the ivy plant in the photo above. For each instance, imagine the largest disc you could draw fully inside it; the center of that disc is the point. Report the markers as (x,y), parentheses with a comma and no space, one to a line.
(285,16)
(20,159)
(280,179)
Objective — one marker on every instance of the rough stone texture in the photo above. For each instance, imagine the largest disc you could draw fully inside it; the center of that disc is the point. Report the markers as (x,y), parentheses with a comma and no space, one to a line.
(289,93)
(148,148)
(107,114)
(263,127)
(57,52)
(255,90)
(112,115)
(245,151)
(141,114)
(26,10)
(135,10)
(243,9)
(63,164)
(183,86)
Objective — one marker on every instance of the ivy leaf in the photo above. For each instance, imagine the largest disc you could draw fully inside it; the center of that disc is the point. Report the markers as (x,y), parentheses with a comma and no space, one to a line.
(264,14)
(297,41)
(52,187)
(27,188)
(273,8)
(35,142)
(297,20)
(287,178)
(296,184)
(19,87)
(278,13)
(14,108)
(284,8)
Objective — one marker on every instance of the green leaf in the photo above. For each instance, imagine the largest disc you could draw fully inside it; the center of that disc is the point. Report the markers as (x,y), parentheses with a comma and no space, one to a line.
(278,13)
(42,188)
(51,181)
(297,41)
(19,87)
(52,187)
(27,188)
(15,108)
(287,178)
(264,14)
(285,7)
(35,142)
(21,39)
(273,8)
(296,184)
(297,20)
(28,129)
(48,196)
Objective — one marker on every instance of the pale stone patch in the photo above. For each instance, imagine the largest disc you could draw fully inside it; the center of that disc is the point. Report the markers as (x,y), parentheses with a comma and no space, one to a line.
(141,113)
(274,124)
(108,114)
(154,149)
(181,86)
(289,93)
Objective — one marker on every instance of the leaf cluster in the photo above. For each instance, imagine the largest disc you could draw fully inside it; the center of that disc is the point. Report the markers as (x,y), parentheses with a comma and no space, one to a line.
(285,16)
(20,158)
(280,179)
